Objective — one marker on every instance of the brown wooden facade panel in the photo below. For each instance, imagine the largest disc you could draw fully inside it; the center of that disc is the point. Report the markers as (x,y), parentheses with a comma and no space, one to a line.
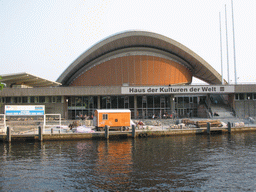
(135,70)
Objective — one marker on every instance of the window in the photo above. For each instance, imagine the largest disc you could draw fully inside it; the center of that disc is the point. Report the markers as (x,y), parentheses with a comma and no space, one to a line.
(236,97)
(131,102)
(103,102)
(32,99)
(90,102)
(121,101)
(108,102)
(24,99)
(17,100)
(8,100)
(48,99)
(58,99)
(156,101)
(41,99)
(114,102)
(78,101)
(162,102)
(95,102)
(85,102)
(249,96)
(139,101)
(195,100)
(241,96)
(104,116)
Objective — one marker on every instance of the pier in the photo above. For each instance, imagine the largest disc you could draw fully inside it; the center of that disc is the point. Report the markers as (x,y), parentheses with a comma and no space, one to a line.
(136,133)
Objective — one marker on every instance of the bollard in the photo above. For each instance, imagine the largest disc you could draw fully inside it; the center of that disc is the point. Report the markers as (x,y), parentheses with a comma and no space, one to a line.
(208,128)
(133,131)
(229,127)
(40,131)
(106,132)
(9,134)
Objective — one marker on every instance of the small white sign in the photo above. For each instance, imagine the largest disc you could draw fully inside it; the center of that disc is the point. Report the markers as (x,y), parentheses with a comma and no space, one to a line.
(26,110)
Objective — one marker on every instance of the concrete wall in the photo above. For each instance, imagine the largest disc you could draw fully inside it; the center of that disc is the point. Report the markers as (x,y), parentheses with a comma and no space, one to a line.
(244,88)
(245,108)
(60,91)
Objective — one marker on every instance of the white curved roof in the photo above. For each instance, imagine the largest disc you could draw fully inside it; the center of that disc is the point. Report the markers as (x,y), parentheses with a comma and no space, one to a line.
(142,39)
(27,79)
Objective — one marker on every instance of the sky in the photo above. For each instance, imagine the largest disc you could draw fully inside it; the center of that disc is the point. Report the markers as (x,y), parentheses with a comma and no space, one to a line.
(44,37)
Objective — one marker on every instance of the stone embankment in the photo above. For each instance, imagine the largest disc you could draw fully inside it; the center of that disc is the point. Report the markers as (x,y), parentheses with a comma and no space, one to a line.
(29,130)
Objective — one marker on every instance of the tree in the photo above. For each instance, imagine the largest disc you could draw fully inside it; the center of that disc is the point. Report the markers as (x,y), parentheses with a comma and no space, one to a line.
(1,84)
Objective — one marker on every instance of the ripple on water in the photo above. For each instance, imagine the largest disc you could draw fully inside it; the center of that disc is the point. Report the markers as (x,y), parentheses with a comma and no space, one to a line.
(181,163)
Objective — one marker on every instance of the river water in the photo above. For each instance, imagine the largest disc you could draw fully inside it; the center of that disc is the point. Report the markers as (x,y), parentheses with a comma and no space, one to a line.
(176,163)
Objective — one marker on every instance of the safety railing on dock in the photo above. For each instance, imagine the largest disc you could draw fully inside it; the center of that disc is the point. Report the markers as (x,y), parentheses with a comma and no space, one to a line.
(3,123)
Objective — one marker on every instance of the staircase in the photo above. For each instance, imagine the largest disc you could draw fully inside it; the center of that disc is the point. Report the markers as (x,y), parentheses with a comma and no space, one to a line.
(222,110)
(219,106)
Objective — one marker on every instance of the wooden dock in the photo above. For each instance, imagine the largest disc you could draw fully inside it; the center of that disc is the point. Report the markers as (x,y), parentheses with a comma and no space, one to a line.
(119,134)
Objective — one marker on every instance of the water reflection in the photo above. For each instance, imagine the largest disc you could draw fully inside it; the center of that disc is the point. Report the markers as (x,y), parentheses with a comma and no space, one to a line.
(181,163)
(114,163)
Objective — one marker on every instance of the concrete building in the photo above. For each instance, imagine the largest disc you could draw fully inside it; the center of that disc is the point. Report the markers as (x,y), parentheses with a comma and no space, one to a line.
(146,72)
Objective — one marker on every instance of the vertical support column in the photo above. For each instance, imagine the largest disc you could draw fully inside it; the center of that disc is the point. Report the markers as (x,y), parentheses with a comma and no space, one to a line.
(98,102)
(133,131)
(135,107)
(172,100)
(229,127)
(9,134)
(66,108)
(208,128)
(40,133)
(106,132)
(208,100)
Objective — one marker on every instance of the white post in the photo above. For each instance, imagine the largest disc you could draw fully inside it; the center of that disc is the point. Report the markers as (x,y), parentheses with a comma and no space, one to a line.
(222,79)
(234,42)
(60,122)
(227,42)
(4,123)
(44,123)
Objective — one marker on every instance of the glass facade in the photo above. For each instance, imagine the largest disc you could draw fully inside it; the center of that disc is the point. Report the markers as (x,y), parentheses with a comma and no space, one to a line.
(186,106)
(117,102)
(159,106)
(81,106)
(143,107)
